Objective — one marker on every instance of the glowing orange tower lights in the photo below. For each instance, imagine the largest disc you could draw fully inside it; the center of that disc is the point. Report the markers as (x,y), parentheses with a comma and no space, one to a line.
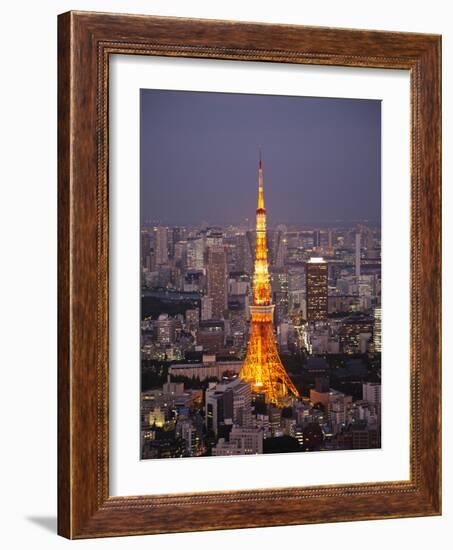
(262,367)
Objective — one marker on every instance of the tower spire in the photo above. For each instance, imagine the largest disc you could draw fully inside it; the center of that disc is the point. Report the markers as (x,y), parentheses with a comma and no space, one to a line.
(260,184)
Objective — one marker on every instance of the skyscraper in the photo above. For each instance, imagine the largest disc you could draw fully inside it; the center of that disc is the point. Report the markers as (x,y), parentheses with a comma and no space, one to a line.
(280,293)
(228,401)
(145,246)
(262,367)
(180,254)
(206,308)
(195,253)
(173,237)
(316,278)
(165,328)
(161,245)
(244,260)
(316,238)
(330,238)
(280,244)
(377,331)
(217,280)
(357,254)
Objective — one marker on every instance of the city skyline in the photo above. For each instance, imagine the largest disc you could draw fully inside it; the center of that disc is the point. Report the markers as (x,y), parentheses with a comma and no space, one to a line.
(258,337)
(205,144)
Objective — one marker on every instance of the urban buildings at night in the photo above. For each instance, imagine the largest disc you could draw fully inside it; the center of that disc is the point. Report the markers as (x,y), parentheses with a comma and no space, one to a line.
(316,278)
(260,339)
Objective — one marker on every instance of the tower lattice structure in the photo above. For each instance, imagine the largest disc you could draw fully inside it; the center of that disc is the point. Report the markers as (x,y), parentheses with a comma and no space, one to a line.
(262,367)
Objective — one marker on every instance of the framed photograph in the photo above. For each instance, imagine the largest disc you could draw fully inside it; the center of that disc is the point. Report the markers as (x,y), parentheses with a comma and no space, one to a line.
(249,275)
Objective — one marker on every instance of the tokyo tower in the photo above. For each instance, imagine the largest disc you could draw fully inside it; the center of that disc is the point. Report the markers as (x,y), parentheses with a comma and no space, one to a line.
(262,367)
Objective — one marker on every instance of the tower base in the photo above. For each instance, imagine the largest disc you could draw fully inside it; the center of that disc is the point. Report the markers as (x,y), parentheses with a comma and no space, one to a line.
(262,367)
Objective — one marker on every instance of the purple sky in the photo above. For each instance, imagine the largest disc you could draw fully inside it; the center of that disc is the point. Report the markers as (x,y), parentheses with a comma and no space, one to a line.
(199,157)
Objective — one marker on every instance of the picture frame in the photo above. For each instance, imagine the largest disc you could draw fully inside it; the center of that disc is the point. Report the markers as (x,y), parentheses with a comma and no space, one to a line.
(86,41)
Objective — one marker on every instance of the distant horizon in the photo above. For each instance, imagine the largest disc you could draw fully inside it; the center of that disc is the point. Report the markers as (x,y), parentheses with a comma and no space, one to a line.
(343,224)
(199,159)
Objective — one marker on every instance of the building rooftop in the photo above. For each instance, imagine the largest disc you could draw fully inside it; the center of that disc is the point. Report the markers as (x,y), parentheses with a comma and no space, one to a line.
(316,261)
(316,363)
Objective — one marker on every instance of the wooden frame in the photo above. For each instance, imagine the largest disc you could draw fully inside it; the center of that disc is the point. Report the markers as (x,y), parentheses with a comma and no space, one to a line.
(85,41)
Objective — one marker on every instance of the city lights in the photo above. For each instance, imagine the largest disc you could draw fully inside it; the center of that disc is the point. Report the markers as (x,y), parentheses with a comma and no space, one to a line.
(227,311)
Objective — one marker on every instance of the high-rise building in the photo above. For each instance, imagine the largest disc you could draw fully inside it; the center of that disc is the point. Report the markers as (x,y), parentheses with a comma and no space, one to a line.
(214,236)
(206,308)
(357,254)
(165,329)
(330,238)
(244,260)
(145,246)
(367,237)
(280,245)
(242,441)
(339,405)
(186,430)
(195,253)
(180,254)
(211,335)
(283,336)
(352,330)
(251,239)
(228,403)
(217,280)
(316,238)
(192,318)
(262,367)
(280,293)
(174,237)
(161,245)
(377,330)
(316,280)
(371,392)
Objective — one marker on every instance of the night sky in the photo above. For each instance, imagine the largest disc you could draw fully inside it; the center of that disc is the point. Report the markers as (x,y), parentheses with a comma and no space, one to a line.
(199,158)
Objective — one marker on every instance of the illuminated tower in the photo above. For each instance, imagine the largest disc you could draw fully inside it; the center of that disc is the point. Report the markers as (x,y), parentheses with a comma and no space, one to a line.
(262,367)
